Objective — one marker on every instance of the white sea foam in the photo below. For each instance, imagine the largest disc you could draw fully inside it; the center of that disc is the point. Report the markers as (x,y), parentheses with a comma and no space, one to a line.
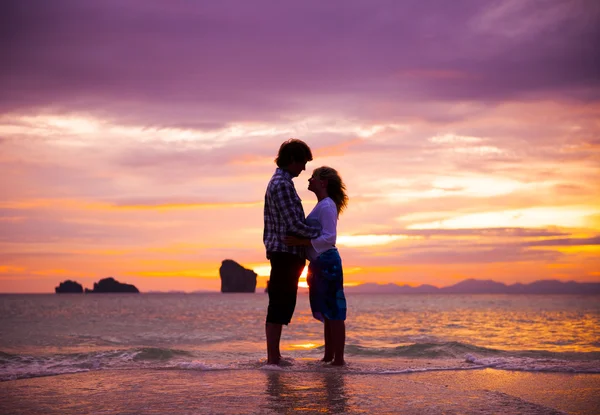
(31,366)
(39,369)
(534,365)
(429,369)
(199,365)
(275,368)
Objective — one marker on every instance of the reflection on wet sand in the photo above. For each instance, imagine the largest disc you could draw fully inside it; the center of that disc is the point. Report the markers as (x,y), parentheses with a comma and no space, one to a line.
(318,392)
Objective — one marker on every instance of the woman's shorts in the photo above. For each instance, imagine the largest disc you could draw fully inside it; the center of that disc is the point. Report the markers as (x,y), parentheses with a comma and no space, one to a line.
(326,286)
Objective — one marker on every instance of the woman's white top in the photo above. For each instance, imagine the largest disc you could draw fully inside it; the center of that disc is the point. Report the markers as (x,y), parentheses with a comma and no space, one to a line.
(324,214)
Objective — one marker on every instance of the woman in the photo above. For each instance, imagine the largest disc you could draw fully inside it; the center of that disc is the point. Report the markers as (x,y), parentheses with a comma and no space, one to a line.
(325,274)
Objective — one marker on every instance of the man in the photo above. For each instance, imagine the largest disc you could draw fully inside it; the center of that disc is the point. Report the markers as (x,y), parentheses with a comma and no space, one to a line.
(283,216)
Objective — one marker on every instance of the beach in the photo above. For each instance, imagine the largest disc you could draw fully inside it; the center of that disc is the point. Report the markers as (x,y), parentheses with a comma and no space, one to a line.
(286,391)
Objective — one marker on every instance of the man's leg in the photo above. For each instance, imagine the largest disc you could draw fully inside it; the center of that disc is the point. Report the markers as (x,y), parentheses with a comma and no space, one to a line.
(277,306)
(283,286)
(273,334)
(294,268)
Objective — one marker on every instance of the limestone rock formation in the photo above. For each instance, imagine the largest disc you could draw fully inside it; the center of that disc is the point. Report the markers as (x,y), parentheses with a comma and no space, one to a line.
(110,285)
(68,286)
(236,279)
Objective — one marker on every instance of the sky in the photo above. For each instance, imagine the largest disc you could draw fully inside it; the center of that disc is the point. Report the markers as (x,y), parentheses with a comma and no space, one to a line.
(137,137)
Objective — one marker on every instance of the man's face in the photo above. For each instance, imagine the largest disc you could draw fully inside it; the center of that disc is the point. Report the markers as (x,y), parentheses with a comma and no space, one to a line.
(296,168)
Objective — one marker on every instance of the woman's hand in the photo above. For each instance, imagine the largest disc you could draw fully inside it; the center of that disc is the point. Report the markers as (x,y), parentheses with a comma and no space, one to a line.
(295,241)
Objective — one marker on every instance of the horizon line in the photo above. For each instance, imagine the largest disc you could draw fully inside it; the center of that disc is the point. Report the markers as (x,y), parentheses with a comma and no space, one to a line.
(352,285)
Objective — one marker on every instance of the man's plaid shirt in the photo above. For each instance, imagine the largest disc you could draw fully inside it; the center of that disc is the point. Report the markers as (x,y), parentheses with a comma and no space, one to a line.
(284,215)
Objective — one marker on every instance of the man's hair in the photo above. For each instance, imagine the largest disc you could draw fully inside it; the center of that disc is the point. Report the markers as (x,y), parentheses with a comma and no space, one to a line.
(293,150)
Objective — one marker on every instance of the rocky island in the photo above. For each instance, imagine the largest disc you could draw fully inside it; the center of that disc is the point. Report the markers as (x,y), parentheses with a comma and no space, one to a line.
(106,285)
(236,279)
(68,287)
(110,285)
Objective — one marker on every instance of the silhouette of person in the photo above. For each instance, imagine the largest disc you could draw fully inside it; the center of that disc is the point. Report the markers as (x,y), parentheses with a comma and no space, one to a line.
(284,215)
(325,272)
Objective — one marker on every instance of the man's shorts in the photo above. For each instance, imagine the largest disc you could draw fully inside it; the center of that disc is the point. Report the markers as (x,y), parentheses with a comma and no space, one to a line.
(283,286)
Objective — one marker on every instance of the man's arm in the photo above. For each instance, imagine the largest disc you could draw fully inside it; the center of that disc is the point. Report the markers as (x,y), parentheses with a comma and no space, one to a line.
(286,203)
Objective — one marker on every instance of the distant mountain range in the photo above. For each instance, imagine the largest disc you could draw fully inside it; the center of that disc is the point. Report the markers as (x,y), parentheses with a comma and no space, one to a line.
(472,286)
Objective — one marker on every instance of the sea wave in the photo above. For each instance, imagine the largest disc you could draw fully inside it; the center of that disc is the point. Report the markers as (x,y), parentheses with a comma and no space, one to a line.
(422,350)
(19,366)
(524,364)
(435,350)
(369,360)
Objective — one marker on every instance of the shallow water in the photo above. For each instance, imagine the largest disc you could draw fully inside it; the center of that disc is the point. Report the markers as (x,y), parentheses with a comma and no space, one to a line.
(284,392)
(44,335)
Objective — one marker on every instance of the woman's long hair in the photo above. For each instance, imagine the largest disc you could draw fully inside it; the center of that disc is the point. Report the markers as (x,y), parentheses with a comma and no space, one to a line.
(336,189)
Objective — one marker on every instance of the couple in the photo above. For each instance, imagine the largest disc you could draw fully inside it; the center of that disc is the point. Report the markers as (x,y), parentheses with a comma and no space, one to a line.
(290,238)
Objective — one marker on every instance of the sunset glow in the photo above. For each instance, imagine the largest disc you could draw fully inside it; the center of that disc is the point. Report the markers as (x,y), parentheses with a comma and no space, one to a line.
(302,282)
(469,147)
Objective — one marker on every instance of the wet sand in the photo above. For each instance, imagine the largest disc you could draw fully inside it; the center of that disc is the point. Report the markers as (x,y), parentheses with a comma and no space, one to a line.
(572,393)
(283,392)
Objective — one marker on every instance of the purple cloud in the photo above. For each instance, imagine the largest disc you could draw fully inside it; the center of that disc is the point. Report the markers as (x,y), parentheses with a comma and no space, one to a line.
(484,232)
(451,253)
(565,242)
(207,63)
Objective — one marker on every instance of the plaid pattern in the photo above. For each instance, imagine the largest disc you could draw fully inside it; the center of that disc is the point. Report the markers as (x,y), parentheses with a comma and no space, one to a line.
(284,215)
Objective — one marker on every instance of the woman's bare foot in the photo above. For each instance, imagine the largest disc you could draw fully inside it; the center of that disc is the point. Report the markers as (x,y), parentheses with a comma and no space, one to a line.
(338,363)
(327,359)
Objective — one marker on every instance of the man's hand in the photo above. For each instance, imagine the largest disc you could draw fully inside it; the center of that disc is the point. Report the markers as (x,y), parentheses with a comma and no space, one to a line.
(295,241)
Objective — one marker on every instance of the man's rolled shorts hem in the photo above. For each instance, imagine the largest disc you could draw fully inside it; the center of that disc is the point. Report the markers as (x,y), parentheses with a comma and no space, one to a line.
(280,322)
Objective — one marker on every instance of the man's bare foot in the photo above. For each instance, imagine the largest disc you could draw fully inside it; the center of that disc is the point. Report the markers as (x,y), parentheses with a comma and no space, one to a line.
(338,363)
(284,363)
(327,359)
(281,362)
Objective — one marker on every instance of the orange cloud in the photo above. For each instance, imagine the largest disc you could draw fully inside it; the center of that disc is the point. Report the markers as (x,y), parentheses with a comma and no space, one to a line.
(338,149)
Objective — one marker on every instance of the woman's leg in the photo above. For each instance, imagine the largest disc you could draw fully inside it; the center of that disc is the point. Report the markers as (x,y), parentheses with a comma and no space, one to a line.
(338,337)
(328,357)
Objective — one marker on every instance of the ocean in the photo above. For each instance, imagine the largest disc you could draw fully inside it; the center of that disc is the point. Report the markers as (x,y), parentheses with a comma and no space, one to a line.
(205,353)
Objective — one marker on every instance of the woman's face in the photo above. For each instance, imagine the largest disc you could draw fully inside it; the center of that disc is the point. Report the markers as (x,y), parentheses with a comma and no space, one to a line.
(314,182)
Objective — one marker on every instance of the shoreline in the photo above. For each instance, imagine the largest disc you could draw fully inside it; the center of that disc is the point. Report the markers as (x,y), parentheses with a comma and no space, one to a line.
(160,359)
(280,391)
